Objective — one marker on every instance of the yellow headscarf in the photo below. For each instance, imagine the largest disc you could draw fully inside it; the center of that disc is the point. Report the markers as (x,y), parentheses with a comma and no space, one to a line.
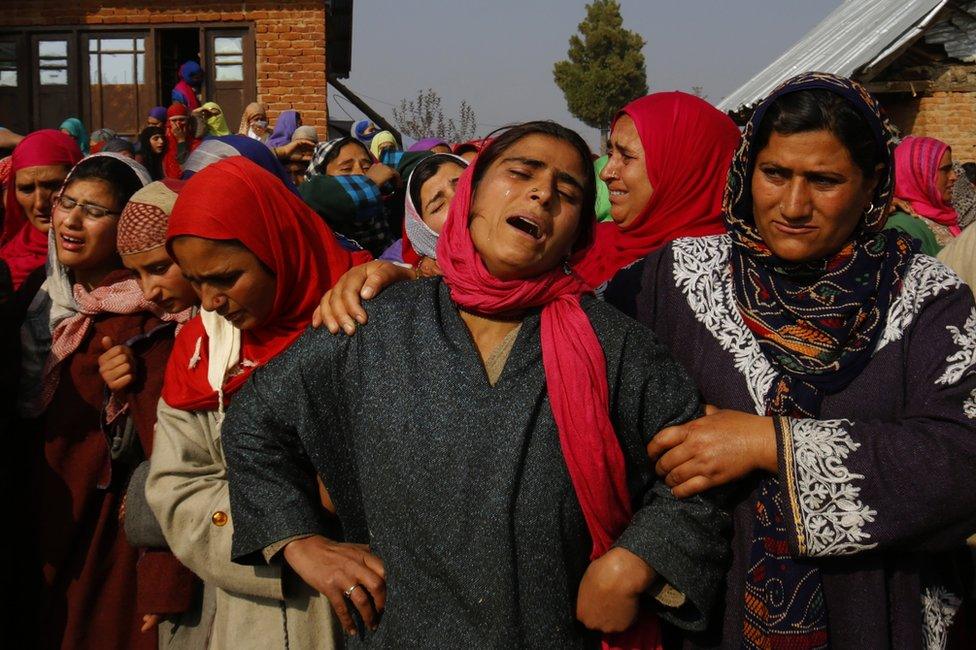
(381,138)
(216,123)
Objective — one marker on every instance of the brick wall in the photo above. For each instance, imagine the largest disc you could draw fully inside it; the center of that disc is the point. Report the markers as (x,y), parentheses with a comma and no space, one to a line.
(948,116)
(289,38)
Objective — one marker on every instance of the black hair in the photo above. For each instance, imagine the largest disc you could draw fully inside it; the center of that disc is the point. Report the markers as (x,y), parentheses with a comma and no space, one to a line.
(425,170)
(821,110)
(466,147)
(334,151)
(501,140)
(152,161)
(121,178)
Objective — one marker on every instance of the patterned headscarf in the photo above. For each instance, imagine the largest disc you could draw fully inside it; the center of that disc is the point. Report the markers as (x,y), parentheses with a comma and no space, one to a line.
(964,197)
(418,236)
(99,137)
(321,155)
(142,224)
(817,323)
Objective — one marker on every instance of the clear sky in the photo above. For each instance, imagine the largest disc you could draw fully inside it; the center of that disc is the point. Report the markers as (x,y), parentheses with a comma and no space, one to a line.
(498,54)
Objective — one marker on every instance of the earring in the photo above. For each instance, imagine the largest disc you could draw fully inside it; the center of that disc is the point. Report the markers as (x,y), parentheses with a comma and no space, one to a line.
(870,208)
(567,269)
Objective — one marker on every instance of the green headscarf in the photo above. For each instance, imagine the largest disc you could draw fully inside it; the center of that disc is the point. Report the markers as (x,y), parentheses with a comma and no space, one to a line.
(602,191)
(216,124)
(76,130)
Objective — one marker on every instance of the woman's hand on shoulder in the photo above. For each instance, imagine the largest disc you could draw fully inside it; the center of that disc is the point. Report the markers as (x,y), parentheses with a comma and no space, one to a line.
(342,306)
(718,448)
(346,574)
(116,365)
(609,594)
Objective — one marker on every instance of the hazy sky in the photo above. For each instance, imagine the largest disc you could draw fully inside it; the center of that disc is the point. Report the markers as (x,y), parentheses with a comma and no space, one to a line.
(498,54)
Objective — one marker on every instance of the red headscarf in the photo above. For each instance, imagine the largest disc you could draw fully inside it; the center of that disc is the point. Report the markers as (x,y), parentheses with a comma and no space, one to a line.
(576,381)
(235,199)
(916,169)
(22,246)
(171,166)
(688,147)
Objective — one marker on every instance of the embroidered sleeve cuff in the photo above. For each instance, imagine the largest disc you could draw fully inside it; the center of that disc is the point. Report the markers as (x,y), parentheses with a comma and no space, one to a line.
(826,516)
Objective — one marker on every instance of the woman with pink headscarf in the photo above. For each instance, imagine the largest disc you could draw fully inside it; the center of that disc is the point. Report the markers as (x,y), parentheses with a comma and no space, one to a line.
(923,193)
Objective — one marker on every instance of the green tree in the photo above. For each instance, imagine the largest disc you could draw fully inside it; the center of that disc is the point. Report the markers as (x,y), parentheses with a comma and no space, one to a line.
(605,67)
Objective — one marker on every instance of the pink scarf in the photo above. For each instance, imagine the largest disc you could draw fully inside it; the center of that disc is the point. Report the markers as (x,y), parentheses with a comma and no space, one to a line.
(916,168)
(123,297)
(576,380)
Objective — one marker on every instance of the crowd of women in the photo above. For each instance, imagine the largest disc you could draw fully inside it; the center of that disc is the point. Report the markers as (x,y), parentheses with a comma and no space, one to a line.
(711,390)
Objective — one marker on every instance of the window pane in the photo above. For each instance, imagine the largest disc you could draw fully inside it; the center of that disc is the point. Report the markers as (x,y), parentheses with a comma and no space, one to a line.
(117,44)
(8,51)
(54,77)
(118,68)
(230,73)
(141,44)
(8,77)
(53,63)
(140,69)
(93,69)
(52,48)
(224,45)
(227,59)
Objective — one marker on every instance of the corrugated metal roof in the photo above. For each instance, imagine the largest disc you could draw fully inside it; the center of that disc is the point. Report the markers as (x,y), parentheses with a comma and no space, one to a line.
(957,34)
(858,35)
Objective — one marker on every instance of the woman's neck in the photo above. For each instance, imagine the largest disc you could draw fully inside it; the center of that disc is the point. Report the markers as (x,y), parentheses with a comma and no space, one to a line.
(489,332)
(91,278)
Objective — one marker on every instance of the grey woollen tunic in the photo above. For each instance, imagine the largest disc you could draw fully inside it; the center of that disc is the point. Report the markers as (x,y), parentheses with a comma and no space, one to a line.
(460,487)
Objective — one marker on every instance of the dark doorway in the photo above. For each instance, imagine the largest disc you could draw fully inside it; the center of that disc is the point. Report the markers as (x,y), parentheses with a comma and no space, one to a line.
(174,47)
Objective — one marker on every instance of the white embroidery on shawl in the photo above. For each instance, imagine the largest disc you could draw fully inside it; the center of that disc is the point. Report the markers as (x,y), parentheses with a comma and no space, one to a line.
(939,607)
(969,406)
(833,516)
(926,277)
(960,362)
(701,271)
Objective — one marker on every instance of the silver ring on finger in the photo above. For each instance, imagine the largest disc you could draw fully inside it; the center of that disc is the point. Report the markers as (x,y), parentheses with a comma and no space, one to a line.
(348,592)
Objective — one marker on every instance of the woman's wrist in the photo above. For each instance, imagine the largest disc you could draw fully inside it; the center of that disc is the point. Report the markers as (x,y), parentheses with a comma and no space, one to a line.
(766,453)
(632,573)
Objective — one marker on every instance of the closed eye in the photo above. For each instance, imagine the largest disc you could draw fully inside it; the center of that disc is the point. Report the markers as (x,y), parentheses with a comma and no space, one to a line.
(825,181)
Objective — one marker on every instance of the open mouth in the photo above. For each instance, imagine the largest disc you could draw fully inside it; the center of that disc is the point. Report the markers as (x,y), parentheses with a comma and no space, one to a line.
(526,225)
(71,243)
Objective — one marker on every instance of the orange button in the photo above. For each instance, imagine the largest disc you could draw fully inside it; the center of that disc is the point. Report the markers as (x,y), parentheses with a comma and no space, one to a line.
(219,518)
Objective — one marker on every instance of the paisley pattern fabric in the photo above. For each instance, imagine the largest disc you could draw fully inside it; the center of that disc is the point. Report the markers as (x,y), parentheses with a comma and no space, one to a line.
(817,323)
